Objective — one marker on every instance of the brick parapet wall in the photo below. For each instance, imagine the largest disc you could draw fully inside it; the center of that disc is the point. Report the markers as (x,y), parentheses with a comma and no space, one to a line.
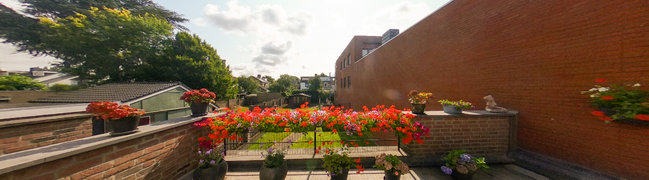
(23,134)
(156,152)
(481,134)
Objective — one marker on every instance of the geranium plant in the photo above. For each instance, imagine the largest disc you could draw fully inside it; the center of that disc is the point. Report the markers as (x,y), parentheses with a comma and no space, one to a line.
(458,104)
(416,97)
(391,164)
(198,96)
(112,111)
(458,161)
(616,102)
(209,158)
(336,161)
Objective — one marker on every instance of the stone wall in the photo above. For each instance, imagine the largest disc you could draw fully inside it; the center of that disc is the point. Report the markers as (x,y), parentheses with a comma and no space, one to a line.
(482,134)
(23,134)
(158,151)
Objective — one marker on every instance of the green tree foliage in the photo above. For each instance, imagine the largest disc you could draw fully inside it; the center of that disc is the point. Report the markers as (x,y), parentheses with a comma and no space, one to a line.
(248,84)
(107,44)
(190,60)
(286,84)
(315,88)
(63,87)
(270,79)
(18,82)
(24,31)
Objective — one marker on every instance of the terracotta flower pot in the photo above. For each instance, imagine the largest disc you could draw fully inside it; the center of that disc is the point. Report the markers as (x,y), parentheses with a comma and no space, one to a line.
(199,109)
(212,173)
(276,173)
(418,108)
(124,126)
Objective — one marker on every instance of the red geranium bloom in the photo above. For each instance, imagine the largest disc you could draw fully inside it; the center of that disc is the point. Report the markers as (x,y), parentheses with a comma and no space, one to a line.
(605,118)
(600,80)
(608,97)
(597,113)
(643,117)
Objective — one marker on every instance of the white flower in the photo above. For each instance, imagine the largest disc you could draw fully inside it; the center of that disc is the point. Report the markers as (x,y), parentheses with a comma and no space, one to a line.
(602,89)
(592,89)
(636,85)
(593,95)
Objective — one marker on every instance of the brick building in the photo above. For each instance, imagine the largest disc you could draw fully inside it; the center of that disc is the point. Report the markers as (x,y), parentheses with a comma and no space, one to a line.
(532,56)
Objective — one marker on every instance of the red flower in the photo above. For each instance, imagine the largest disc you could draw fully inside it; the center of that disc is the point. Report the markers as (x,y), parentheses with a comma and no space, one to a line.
(643,117)
(597,113)
(600,80)
(605,118)
(607,98)
(396,173)
(357,160)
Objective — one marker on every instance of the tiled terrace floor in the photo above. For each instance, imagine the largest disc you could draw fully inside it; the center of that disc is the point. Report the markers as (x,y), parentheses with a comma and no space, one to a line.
(499,172)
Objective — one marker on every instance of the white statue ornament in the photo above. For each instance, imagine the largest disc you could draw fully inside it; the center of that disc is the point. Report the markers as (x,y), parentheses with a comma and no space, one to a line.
(492,106)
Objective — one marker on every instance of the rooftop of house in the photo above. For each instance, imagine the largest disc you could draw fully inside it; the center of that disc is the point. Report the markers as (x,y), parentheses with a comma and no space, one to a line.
(109,92)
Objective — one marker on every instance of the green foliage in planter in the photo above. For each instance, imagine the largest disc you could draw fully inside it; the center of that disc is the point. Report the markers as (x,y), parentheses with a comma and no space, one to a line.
(458,104)
(274,158)
(334,162)
(619,101)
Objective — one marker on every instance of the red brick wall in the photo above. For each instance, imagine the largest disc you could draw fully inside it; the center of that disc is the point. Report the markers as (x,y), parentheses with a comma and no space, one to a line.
(481,135)
(532,56)
(167,154)
(43,131)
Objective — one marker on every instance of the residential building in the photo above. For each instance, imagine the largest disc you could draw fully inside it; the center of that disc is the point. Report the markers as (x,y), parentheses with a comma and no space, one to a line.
(263,82)
(328,82)
(534,57)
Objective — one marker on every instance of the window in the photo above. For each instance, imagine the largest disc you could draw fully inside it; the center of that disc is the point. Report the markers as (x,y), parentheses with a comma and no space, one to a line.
(344,81)
(349,81)
(366,52)
(349,59)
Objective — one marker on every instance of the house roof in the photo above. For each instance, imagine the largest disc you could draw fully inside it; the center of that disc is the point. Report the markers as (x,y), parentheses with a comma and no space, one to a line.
(123,92)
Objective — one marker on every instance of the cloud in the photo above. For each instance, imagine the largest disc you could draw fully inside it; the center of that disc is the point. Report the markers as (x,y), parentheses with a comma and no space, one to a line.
(276,49)
(235,18)
(269,59)
(259,21)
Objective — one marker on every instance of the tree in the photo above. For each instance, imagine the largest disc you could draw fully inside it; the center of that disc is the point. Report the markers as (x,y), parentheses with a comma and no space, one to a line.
(315,88)
(248,84)
(106,45)
(270,79)
(18,82)
(190,60)
(286,84)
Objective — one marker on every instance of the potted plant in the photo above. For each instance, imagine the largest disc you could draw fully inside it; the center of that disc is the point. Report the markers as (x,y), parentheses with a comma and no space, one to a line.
(198,100)
(211,165)
(461,165)
(419,100)
(455,107)
(392,166)
(122,119)
(625,103)
(337,164)
(274,167)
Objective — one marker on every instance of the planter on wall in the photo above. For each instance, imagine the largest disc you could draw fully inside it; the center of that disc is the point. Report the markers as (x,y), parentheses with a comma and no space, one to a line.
(341,176)
(199,109)
(451,109)
(418,108)
(391,176)
(123,126)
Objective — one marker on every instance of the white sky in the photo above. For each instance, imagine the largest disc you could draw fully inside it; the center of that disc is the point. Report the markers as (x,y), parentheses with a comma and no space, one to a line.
(273,37)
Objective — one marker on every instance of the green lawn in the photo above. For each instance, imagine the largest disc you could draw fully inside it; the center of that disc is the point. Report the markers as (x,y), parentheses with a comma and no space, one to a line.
(268,139)
(326,137)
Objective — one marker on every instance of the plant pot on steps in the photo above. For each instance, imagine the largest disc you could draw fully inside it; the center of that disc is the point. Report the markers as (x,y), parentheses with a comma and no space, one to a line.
(391,176)
(199,109)
(124,126)
(212,173)
(275,173)
(341,176)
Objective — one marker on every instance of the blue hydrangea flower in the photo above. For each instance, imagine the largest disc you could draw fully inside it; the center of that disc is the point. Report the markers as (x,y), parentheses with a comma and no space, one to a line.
(446,170)
(270,150)
(208,152)
(212,162)
(201,161)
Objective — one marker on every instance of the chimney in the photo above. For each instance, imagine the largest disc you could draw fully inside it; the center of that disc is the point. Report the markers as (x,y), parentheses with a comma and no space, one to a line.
(258,76)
